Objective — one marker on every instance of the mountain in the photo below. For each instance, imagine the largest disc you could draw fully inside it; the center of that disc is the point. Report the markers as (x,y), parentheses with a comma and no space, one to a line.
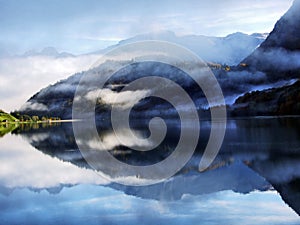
(228,50)
(271,102)
(276,60)
(280,52)
(49,52)
(57,99)
(279,58)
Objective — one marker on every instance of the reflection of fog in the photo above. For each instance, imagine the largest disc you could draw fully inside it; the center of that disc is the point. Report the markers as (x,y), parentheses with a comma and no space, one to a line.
(108,140)
(23,166)
(38,137)
(246,140)
(270,147)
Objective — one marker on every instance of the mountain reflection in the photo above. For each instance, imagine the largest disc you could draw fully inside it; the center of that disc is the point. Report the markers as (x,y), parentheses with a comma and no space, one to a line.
(257,154)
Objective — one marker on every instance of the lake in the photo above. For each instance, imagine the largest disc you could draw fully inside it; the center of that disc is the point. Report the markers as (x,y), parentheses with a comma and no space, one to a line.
(255,179)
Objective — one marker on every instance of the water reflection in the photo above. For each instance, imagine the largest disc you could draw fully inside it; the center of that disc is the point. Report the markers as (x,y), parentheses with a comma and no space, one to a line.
(86,204)
(258,154)
(22,166)
(6,128)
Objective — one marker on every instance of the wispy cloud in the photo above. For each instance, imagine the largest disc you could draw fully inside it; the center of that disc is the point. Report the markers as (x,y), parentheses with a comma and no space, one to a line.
(36,24)
(125,99)
(34,106)
(21,77)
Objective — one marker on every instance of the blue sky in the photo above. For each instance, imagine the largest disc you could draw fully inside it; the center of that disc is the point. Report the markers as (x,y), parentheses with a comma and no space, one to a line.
(83,26)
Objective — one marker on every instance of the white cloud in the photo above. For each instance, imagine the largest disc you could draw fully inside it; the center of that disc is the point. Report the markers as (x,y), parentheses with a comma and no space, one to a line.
(31,168)
(34,106)
(110,140)
(21,77)
(89,27)
(124,99)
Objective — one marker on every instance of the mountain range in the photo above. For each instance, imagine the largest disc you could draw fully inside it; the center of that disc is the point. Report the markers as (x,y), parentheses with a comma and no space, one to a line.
(274,61)
(49,52)
(228,50)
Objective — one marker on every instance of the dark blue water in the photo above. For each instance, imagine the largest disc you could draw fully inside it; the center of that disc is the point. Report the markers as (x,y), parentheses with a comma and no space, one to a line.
(254,180)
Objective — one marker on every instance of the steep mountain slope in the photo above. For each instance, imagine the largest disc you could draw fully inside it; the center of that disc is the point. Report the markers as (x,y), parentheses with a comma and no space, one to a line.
(280,52)
(279,57)
(271,102)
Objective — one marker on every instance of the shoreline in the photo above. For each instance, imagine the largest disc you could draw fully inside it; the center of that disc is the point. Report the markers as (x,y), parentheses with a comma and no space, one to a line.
(201,119)
(40,122)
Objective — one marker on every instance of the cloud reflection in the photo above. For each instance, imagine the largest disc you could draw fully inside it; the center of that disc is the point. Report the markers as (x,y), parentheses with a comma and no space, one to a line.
(23,166)
(101,205)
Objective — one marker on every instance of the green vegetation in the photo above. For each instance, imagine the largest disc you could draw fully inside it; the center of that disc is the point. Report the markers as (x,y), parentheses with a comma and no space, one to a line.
(23,118)
(10,122)
(7,128)
(7,118)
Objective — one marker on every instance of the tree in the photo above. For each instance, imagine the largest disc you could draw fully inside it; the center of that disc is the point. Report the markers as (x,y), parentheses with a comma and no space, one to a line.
(35,118)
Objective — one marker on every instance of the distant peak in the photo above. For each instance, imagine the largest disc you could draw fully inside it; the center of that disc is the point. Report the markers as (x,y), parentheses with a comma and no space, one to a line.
(160,34)
(49,51)
(156,35)
(163,32)
(237,34)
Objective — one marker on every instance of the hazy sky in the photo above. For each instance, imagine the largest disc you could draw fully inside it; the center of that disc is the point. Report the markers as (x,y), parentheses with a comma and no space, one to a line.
(83,26)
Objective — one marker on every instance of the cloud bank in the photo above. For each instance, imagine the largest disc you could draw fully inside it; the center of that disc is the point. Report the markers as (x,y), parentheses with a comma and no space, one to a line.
(21,77)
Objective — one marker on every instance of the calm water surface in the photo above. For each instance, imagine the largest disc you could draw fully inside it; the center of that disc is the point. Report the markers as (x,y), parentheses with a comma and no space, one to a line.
(254,180)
